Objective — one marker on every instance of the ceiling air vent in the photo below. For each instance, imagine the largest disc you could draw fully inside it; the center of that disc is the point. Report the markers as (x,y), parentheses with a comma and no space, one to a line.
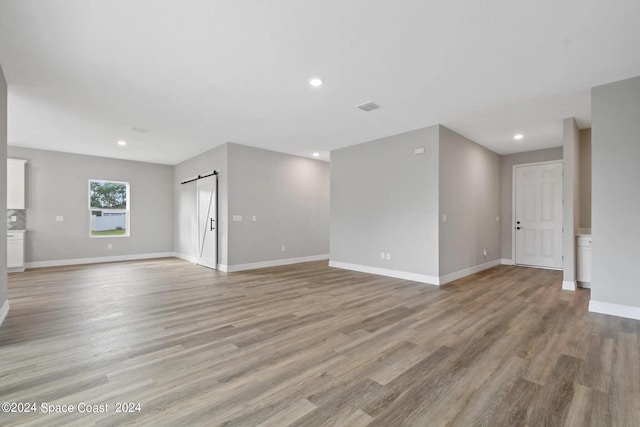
(139,129)
(368,106)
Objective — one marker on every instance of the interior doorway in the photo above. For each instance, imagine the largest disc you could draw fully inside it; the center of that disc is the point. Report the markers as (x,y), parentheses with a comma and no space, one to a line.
(537,214)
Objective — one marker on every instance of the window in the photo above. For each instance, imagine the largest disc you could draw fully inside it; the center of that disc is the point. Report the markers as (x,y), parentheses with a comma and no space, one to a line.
(109,208)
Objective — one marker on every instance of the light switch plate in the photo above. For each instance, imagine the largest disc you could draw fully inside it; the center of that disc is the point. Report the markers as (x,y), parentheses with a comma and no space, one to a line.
(59,218)
(14,218)
(237,218)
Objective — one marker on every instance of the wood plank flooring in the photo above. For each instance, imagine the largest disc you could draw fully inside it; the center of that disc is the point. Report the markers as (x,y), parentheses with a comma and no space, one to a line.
(308,345)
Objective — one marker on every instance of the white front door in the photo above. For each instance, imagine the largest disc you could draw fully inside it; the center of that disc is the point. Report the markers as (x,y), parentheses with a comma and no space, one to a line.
(207,222)
(538,215)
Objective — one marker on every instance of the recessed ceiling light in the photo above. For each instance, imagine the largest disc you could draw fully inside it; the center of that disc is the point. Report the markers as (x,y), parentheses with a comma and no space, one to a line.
(518,136)
(122,143)
(316,154)
(315,82)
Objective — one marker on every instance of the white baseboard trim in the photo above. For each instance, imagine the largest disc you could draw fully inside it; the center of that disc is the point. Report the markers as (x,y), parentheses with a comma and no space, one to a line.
(506,261)
(273,263)
(414,277)
(586,285)
(422,278)
(568,285)
(97,260)
(189,258)
(611,309)
(193,259)
(4,310)
(468,271)
(221,267)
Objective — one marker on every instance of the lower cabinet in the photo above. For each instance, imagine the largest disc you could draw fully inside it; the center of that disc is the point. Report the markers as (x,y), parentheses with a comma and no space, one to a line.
(583,246)
(15,251)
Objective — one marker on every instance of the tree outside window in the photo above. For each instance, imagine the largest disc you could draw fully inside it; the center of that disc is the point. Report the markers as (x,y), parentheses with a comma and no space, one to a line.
(109,208)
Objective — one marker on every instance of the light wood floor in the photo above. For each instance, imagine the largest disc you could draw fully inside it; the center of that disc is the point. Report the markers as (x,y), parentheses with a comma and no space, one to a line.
(310,345)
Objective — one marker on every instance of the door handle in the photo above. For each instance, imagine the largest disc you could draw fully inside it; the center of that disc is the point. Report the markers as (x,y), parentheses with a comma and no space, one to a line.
(212,228)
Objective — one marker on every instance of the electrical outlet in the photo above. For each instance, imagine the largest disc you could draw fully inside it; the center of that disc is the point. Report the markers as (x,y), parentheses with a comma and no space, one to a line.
(60,218)
(14,218)
(109,246)
(444,218)
(254,218)
(381,255)
(497,219)
(484,252)
(388,256)
(283,248)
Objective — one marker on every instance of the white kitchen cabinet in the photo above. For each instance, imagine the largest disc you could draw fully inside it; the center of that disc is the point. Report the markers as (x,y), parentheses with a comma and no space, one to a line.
(15,183)
(583,244)
(15,251)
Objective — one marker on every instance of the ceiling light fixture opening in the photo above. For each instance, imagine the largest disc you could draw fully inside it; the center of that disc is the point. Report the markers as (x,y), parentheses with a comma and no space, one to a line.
(315,82)
(122,143)
(316,154)
(518,136)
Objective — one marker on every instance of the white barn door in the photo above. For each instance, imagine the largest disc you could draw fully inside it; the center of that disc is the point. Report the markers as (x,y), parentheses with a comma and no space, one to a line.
(538,215)
(207,221)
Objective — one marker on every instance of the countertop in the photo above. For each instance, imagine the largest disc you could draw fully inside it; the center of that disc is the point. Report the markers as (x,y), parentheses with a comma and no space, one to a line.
(583,232)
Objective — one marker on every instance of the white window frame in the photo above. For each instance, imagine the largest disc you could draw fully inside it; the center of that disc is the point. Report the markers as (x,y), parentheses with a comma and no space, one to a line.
(127,210)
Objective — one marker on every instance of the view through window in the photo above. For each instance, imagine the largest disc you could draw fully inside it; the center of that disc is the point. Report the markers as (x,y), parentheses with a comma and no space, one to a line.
(109,208)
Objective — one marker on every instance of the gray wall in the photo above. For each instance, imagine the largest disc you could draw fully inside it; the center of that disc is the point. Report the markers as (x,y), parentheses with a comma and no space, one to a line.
(506,188)
(615,129)
(470,197)
(571,196)
(585,178)
(57,184)
(288,195)
(384,198)
(3,188)
(185,230)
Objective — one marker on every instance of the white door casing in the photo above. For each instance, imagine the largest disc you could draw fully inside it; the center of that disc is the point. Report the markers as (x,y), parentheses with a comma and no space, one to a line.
(207,222)
(537,218)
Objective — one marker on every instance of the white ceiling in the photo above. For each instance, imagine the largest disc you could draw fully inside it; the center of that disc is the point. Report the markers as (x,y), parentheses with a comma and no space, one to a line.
(199,73)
